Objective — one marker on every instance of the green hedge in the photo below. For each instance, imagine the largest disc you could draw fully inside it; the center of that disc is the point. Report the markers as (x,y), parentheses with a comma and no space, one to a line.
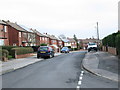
(112,40)
(8,48)
(21,50)
(43,44)
(118,43)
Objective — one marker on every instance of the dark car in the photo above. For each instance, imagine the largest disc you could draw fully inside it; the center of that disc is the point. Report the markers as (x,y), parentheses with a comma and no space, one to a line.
(65,50)
(45,51)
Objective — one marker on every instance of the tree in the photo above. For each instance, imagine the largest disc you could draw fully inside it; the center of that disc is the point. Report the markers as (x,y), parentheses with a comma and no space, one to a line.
(76,40)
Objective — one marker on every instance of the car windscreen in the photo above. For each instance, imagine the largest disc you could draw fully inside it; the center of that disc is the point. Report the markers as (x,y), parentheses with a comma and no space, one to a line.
(43,48)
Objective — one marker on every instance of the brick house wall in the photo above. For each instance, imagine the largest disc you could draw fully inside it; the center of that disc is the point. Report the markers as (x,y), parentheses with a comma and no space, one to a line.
(4,34)
(54,42)
(73,45)
(60,43)
(15,36)
(45,40)
(37,40)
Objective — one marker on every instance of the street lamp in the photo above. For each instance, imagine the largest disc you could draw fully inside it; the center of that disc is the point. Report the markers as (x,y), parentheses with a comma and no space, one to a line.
(97,32)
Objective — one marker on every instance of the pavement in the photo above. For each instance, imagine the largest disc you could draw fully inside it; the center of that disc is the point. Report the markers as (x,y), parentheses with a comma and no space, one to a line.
(15,64)
(102,64)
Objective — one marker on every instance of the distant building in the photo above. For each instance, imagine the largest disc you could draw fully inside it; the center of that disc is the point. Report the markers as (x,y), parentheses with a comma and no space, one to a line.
(84,42)
(71,43)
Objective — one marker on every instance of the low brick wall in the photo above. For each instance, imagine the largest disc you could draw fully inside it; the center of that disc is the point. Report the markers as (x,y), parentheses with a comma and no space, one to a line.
(112,50)
(104,48)
(24,55)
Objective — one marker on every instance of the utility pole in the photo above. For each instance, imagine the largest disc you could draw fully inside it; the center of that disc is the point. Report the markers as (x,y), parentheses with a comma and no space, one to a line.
(97,32)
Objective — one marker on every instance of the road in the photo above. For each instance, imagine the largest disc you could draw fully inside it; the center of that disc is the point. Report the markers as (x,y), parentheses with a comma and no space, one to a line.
(59,72)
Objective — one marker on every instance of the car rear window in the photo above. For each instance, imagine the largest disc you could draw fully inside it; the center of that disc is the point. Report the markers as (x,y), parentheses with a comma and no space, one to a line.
(43,48)
(64,48)
(92,44)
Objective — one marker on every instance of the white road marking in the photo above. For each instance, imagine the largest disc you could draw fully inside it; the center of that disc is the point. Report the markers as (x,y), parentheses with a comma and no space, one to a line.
(78,88)
(79,82)
(80,78)
(81,74)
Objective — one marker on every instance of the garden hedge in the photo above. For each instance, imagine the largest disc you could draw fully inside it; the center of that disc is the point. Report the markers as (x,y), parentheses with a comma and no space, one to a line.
(21,50)
(8,48)
(112,40)
(118,43)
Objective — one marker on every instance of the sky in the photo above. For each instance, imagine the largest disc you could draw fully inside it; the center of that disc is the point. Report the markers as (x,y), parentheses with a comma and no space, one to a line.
(66,17)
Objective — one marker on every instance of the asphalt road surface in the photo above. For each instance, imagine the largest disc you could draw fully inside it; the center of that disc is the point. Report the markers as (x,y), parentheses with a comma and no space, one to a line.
(59,72)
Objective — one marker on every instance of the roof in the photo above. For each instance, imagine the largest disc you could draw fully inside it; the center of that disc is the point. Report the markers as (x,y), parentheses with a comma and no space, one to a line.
(51,36)
(90,40)
(25,28)
(71,39)
(16,26)
(38,33)
(3,23)
(65,40)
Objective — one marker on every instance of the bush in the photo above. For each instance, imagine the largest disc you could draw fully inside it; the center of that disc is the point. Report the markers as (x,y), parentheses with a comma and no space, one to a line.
(8,48)
(43,44)
(110,40)
(5,53)
(21,50)
(118,43)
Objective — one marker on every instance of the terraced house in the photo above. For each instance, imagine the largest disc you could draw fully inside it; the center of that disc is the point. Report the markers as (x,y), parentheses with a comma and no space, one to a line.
(19,36)
(14,34)
(4,39)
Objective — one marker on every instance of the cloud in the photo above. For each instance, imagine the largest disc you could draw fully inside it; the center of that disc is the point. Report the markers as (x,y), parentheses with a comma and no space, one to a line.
(63,16)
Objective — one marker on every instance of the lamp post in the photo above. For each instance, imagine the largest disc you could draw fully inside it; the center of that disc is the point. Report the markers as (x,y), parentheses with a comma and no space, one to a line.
(97,32)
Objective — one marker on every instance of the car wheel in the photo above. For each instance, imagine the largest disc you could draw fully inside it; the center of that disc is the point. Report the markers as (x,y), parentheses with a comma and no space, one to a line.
(88,50)
(53,55)
(38,56)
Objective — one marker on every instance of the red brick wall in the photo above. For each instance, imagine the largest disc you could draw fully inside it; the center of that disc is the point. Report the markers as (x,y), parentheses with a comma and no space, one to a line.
(37,40)
(14,36)
(24,55)
(112,50)
(54,42)
(45,40)
(73,44)
(4,34)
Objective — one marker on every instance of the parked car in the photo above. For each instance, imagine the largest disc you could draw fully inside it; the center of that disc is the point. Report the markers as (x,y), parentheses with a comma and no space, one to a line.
(92,46)
(65,50)
(45,51)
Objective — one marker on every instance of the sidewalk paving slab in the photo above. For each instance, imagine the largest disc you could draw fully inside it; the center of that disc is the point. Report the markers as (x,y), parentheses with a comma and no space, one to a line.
(91,63)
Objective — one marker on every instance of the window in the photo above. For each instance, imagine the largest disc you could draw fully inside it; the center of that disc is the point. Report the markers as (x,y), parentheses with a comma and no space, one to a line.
(5,28)
(19,34)
(1,42)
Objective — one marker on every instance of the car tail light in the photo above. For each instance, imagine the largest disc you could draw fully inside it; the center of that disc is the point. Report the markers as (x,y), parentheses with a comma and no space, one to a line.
(38,48)
(48,49)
